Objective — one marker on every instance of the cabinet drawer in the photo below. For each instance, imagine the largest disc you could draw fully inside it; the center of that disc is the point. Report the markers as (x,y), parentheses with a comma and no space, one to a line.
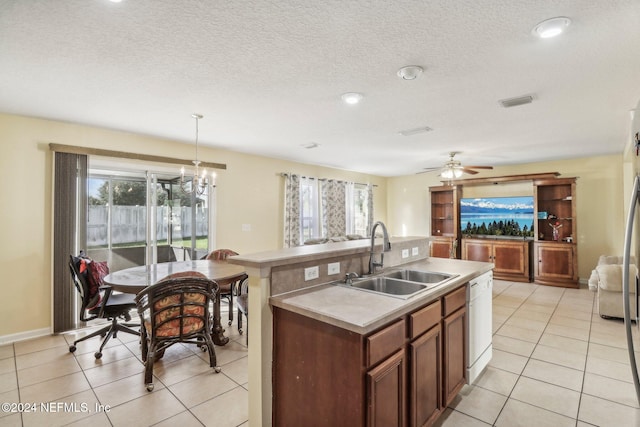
(454,300)
(385,342)
(424,319)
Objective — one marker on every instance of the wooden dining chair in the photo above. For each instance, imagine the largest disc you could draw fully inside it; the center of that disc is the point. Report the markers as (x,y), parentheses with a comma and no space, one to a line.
(228,290)
(242,301)
(176,310)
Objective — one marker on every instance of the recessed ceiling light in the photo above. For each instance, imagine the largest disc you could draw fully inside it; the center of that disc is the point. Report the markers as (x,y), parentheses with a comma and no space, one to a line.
(352,98)
(551,27)
(410,72)
(115,1)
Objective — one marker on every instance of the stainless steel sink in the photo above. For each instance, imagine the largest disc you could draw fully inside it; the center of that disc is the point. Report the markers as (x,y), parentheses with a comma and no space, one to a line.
(419,276)
(388,286)
(399,283)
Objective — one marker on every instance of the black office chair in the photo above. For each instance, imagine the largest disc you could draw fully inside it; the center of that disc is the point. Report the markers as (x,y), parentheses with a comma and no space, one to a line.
(109,306)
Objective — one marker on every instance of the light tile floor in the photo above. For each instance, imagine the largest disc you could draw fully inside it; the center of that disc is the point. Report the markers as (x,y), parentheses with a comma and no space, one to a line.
(187,392)
(555,363)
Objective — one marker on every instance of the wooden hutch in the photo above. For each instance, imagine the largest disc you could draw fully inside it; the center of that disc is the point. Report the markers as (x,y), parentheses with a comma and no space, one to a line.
(549,258)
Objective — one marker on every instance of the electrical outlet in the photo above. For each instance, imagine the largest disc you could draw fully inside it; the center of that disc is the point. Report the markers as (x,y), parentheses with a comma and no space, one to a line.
(414,251)
(333,268)
(405,253)
(311,273)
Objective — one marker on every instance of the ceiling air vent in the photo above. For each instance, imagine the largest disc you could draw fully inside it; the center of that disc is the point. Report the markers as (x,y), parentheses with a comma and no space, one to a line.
(514,102)
(415,131)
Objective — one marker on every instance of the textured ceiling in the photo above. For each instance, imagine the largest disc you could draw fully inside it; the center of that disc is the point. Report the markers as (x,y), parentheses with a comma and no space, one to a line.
(268,75)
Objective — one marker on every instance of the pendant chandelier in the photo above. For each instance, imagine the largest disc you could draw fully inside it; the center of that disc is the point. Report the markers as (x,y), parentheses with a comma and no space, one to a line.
(199,182)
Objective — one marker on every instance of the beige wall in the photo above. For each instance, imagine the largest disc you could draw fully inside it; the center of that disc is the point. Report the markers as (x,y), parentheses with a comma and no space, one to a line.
(249,192)
(599,202)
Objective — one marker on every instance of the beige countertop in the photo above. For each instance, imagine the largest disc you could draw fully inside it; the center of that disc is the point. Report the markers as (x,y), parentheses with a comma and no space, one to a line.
(300,254)
(363,312)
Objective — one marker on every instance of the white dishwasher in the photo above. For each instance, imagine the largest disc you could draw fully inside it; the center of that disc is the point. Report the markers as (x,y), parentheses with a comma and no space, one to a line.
(479,324)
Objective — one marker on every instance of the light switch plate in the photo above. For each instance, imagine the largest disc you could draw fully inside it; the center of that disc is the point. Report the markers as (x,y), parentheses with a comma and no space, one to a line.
(414,251)
(333,268)
(405,253)
(311,273)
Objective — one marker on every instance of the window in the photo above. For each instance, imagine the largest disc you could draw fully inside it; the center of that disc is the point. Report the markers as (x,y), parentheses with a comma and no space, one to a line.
(324,209)
(137,218)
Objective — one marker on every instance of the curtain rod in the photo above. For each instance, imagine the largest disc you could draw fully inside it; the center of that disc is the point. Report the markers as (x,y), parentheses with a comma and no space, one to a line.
(325,179)
(73,149)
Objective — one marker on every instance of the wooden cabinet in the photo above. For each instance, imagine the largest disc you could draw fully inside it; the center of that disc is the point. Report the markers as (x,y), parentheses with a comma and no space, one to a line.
(556,264)
(443,247)
(510,257)
(445,209)
(403,374)
(555,257)
(425,353)
(454,369)
(386,387)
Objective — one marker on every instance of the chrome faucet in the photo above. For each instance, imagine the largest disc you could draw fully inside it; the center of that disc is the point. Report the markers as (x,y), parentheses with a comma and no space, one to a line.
(386,247)
(349,278)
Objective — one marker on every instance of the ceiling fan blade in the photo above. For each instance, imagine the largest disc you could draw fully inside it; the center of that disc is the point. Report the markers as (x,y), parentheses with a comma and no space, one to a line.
(429,170)
(479,167)
(469,171)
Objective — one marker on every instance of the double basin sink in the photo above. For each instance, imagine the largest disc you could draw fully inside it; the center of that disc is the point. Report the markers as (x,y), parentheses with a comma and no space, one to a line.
(400,283)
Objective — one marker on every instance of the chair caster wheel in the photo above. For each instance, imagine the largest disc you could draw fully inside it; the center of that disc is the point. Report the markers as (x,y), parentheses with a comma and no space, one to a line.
(230,322)
(217,369)
(98,355)
(149,387)
(204,348)
(72,348)
(240,331)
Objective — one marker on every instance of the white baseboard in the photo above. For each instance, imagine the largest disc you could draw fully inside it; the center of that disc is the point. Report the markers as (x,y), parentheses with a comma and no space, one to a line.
(21,336)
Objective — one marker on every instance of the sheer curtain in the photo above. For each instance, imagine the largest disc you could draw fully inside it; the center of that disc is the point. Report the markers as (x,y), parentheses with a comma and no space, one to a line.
(292,219)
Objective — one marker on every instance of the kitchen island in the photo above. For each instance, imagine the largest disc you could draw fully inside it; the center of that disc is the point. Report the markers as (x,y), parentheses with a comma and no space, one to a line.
(282,300)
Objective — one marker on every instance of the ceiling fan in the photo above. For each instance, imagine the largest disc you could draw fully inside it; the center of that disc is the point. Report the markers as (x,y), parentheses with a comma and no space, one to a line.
(454,169)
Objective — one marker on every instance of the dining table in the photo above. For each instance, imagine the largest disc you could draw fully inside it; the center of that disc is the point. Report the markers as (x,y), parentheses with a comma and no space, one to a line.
(134,279)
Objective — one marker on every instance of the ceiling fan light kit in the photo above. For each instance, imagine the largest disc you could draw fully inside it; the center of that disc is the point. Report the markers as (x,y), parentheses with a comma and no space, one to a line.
(454,169)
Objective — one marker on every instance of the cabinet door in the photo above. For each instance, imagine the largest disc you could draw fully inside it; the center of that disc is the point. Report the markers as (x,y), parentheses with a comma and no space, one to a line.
(511,258)
(454,354)
(425,399)
(386,401)
(478,251)
(441,248)
(555,263)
